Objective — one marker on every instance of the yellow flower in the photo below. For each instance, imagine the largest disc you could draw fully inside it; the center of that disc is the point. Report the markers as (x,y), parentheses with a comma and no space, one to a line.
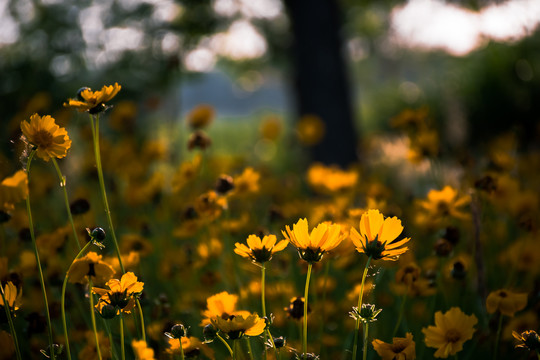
(236,326)
(443,204)
(13,189)
(330,179)
(260,250)
(121,293)
(528,340)
(400,349)
(219,305)
(247,182)
(311,247)
(12,296)
(506,302)
(94,101)
(51,140)
(377,236)
(191,346)
(142,351)
(450,332)
(90,265)
(200,116)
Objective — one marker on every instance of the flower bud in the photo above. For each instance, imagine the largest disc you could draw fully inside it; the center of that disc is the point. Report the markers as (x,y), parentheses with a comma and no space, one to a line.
(98,234)
(209,333)
(178,331)
(108,311)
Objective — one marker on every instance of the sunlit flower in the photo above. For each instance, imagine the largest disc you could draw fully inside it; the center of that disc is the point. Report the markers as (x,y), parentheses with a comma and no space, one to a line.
(92,266)
(400,349)
(219,305)
(94,101)
(312,247)
(528,340)
(12,296)
(329,179)
(505,301)
(200,116)
(142,351)
(260,250)
(121,294)
(236,326)
(13,189)
(377,237)
(50,140)
(190,345)
(450,332)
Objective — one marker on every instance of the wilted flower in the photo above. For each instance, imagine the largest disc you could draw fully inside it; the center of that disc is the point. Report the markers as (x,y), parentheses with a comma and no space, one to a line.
(93,101)
(400,349)
(92,266)
(505,301)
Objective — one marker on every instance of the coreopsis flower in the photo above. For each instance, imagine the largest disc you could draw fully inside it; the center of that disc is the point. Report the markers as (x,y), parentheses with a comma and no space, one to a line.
(13,189)
(367,313)
(210,205)
(399,349)
(142,351)
(91,266)
(424,144)
(121,294)
(442,205)
(450,332)
(93,101)
(12,296)
(411,118)
(260,251)
(330,179)
(247,182)
(200,116)
(191,346)
(505,301)
(312,246)
(528,340)
(377,236)
(50,140)
(236,326)
(219,305)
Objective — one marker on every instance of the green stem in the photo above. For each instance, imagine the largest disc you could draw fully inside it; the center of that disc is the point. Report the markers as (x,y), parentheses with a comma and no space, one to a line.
(366,328)
(263,272)
(143,332)
(181,350)
(122,345)
(97,154)
(498,337)
(226,345)
(66,200)
(63,301)
(401,312)
(93,316)
(250,350)
(234,346)
(38,262)
(10,321)
(360,298)
(304,334)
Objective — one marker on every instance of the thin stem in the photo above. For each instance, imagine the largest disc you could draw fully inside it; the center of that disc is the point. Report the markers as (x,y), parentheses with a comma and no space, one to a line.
(122,345)
(63,301)
(38,262)
(366,329)
(250,351)
(10,321)
(498,337)
(401,311)
(141,318)
(66,200)
(304,334)
(263,272)
(93,316)
(97,154)
(234,346)
(360,298)
(226,345)
(181,350)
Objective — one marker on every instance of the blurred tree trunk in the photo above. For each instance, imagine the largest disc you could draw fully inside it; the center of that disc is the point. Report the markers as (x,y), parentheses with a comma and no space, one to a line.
(320,80)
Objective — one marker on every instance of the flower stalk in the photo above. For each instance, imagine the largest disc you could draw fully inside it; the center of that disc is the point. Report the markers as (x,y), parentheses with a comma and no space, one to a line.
(11,326)
(360,298)
(304,328)
(93,316)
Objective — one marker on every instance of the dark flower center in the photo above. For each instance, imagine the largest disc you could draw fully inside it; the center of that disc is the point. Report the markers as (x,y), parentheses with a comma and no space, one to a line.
(43,139)
(453,335)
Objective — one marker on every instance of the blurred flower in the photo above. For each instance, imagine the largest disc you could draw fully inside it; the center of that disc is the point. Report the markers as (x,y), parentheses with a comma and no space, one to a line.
(219,305)
(258,250)
(236,326)
(94,101)
(12,296)
(121,293)
(408,274)
(424,144)
(310,130)
(377,236)
(90,265)
(450,332)
(441,205)
(247,182)
(191,346)
(312,247)
(130,261)
(199,140)
(528,340)
(505,301)
(51,140)
(135,242)
(400,349)
(331,179)
(295,309)
(200,116)
(523,255)
(524,321)
(122,117)
(412,119)
(187,172)
(142,351)
(13,189)
(270,127)
(210,205)
(224,184)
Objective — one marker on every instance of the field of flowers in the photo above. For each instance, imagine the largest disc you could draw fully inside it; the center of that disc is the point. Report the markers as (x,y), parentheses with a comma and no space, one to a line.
(125,238)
